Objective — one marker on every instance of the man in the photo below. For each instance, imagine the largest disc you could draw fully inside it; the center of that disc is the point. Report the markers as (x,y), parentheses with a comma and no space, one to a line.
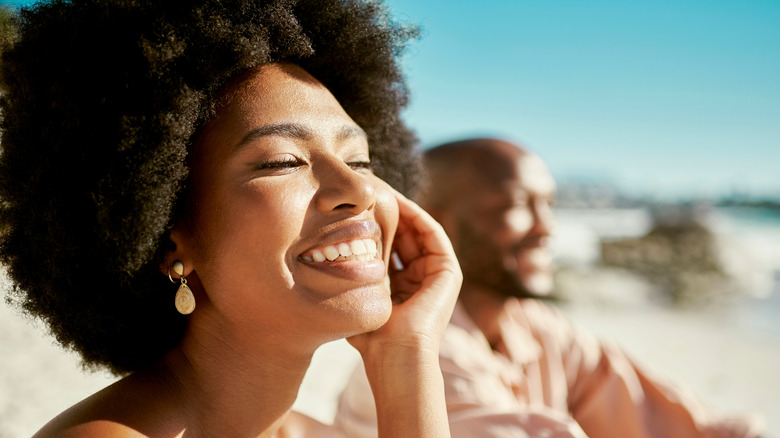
(512,365)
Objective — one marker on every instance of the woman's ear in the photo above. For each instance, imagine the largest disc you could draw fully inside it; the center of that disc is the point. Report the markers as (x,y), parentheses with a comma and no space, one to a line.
(182,251)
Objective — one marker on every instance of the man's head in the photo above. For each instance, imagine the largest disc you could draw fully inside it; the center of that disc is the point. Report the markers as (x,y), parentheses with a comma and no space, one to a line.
(494,200)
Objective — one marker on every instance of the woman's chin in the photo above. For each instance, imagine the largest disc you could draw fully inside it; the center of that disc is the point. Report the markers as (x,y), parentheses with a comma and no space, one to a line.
(368,313)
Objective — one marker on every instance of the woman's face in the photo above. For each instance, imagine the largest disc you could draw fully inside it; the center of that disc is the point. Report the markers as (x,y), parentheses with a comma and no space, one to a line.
(281,185)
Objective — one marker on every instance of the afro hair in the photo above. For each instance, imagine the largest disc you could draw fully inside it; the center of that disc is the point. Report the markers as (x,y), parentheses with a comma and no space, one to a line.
(101,100)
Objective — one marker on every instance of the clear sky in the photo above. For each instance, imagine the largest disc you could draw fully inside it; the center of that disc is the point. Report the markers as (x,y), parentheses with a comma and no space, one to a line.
(671,97)
(677,98)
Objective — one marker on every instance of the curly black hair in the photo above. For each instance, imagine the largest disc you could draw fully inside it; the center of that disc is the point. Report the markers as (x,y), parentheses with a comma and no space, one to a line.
(102,100)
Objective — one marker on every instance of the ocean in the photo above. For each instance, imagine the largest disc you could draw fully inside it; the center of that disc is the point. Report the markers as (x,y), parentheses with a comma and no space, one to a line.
(755,234)
(749,241)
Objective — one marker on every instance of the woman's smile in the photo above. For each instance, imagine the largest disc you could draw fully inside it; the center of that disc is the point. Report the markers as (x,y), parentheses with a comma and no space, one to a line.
(352,251)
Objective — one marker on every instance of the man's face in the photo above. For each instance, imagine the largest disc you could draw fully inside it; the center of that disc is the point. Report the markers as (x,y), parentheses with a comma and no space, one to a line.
(503,227)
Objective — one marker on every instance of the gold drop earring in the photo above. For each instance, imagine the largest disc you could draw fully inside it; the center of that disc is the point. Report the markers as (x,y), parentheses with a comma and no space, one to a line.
(185,300)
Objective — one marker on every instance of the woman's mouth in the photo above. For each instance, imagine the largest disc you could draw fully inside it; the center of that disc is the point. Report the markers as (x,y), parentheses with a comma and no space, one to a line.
(357,249)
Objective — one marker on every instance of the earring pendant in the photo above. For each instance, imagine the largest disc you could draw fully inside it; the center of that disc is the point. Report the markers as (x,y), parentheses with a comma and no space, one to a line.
(185,300)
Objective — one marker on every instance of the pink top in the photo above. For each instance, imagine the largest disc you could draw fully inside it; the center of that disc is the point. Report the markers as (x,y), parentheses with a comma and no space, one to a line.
(554,380)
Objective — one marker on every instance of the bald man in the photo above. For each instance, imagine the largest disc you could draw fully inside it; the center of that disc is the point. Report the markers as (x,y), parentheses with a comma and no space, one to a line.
(494,199)
(513,366)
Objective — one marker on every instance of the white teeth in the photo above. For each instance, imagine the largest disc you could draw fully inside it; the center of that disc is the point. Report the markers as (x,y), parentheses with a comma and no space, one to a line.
(540,257)
(358,247)
(344,249)
(331,253)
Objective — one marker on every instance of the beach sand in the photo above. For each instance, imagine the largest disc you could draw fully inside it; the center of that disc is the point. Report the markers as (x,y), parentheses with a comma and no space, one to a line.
(733,369)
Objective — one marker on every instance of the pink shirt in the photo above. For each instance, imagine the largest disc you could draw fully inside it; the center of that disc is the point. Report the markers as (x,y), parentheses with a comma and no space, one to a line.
(554,381)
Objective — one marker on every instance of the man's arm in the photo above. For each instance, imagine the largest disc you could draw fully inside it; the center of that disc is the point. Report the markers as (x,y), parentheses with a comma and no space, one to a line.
(610,392)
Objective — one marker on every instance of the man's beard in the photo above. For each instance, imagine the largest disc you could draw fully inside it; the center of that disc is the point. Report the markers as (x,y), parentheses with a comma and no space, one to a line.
(483,265)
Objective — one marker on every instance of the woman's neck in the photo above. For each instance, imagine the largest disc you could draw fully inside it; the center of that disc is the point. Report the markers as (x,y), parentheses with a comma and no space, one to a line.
(233,386)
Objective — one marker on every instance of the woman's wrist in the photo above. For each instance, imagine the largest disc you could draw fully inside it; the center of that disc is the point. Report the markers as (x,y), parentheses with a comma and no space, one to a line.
(408,389)
(385,361)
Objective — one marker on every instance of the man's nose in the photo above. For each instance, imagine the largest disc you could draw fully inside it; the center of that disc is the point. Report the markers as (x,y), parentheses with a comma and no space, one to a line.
(343,188)
(543,219)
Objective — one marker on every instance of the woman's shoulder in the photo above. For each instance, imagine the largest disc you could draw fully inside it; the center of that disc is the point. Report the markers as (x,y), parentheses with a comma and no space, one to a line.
(64,426)
(95,416)
(127,408)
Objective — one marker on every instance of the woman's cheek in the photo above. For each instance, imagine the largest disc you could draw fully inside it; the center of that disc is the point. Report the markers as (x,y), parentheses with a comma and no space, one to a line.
(386,212)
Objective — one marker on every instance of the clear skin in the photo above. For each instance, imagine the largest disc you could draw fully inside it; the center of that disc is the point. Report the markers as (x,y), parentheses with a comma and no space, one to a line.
(281,171)
(500,228)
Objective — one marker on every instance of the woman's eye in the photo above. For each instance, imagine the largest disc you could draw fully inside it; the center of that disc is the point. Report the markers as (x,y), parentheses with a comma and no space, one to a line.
(360,165)
(287,163)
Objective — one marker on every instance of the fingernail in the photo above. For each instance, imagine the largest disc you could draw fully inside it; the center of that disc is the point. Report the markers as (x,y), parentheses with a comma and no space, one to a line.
(396,261)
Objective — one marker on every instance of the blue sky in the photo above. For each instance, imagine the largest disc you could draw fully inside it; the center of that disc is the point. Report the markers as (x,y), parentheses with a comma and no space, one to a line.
(668,98)
(659,97)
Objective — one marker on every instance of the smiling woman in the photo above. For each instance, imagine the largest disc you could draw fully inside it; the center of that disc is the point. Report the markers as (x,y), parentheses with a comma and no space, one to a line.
(274,178)
(231,148)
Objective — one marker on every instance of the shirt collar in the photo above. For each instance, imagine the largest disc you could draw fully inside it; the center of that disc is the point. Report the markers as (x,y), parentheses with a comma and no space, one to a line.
(515,331)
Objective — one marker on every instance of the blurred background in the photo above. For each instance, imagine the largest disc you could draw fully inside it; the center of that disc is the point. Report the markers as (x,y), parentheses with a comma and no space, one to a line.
(660,121)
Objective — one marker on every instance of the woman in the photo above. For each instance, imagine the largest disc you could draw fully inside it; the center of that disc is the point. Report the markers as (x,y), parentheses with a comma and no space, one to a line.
(224,146)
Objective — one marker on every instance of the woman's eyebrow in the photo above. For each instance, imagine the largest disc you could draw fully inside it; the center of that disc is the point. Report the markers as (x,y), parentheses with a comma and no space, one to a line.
(295,130)
(350,131)
(292,130)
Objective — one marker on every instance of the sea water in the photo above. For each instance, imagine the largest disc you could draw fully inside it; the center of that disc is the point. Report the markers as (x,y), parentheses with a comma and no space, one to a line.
(753,234)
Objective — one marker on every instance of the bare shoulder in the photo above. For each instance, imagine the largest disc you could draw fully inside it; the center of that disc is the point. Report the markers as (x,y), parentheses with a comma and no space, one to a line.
(298,425)
(127,408)
(63,427)
(91,417)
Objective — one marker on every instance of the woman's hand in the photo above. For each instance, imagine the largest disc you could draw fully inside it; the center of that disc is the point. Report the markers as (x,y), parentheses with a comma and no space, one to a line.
(424,291)
(402,357)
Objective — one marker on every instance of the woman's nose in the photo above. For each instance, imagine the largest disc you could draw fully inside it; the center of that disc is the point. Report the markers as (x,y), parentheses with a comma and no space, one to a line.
(343,188)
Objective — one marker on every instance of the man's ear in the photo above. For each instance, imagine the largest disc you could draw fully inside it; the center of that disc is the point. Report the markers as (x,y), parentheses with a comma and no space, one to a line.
(180,237)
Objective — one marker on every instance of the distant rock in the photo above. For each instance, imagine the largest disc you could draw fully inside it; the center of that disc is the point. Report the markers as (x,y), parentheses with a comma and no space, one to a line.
(679,255)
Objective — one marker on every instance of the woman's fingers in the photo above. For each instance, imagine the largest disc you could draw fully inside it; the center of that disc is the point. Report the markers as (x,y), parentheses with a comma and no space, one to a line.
(427,233)
(405,243)
(426,252)
(425,290)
